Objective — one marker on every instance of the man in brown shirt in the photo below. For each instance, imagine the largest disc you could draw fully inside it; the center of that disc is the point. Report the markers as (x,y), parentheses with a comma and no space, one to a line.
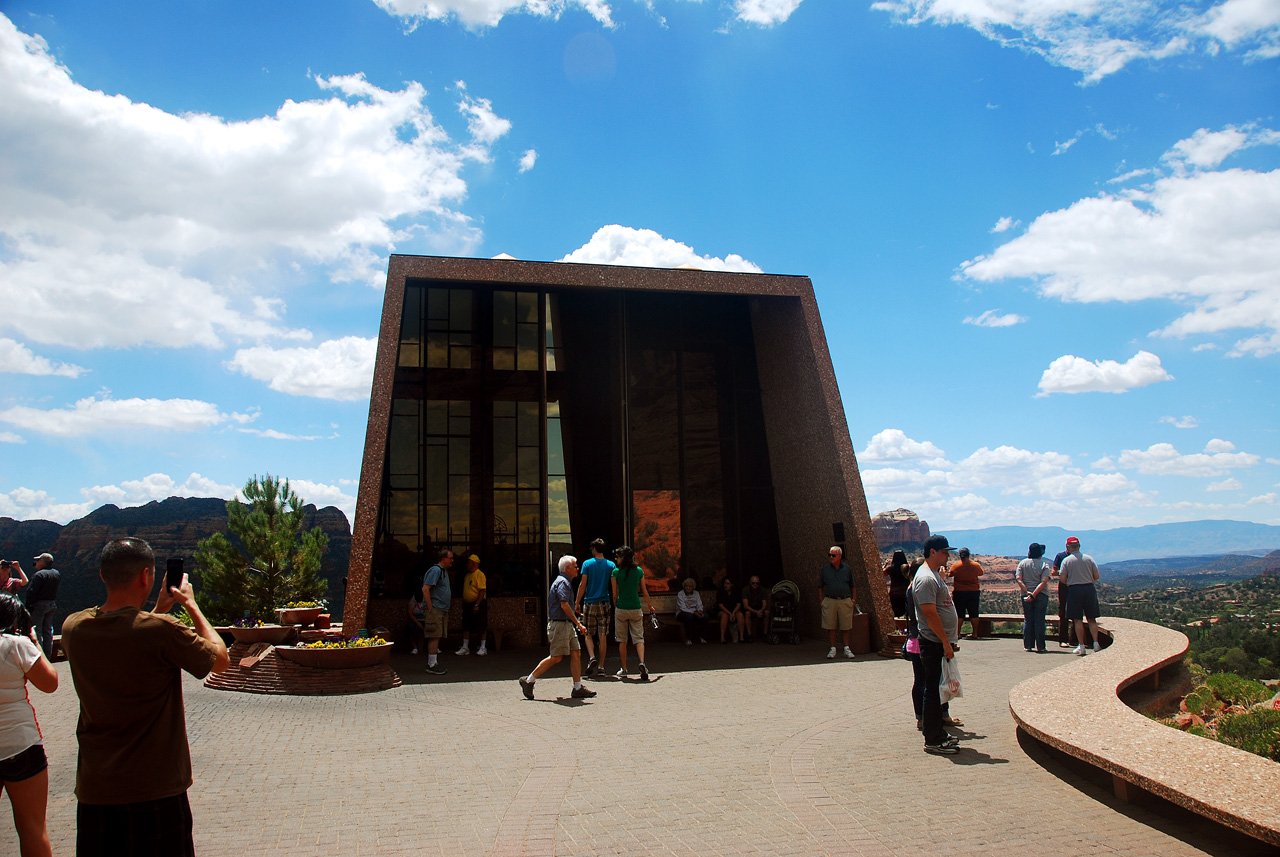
(134,767)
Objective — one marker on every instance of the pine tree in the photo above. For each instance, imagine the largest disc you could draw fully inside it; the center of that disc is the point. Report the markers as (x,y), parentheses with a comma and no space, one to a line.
(275,562)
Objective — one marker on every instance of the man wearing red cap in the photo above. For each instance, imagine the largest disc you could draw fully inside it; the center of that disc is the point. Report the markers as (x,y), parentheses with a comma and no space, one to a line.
(1080,572)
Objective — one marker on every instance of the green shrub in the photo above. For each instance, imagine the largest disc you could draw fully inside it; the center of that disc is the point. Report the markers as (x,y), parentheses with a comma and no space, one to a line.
(1198,729)
(1202,701)
(1256,731)
(1236,690)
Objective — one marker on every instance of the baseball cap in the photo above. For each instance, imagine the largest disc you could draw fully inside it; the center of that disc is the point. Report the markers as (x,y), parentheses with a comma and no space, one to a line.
(936,543)
(474,558)
(1073,541)
(47,556)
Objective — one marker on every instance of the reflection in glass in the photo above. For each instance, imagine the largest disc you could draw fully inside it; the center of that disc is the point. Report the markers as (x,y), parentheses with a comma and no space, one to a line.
(657,537)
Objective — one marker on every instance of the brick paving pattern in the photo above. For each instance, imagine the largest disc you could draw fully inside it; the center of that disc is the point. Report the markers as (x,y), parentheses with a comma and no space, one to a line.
(801,756)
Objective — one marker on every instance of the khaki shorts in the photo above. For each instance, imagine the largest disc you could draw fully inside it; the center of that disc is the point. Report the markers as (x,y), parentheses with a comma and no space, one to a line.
(596,618)
(628,620)
(436,623)
(563,637)
(837,613)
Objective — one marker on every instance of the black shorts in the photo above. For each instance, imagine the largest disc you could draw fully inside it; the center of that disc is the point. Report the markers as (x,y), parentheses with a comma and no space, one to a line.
(152,828)
(1082,602)
(24,765)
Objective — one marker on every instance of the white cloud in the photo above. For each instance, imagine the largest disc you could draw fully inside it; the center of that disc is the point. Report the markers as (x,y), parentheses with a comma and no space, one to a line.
(28,504)
(487,13)
(623,245)
(1004,224)
(991,319)
(1209,239)
(17,358)
(272,434)
(1181,422)
(10,437)
(323,494)
(95,415)
(1098,39)
(1273,461)
(1163,459)
(1071,374)
(1061,148)
(1229,484)
(485,126)
(1206,149)
(894,445)
(127,225)
(1219,445)
(766,13)
(340,369)
(1268,499)
(527,160)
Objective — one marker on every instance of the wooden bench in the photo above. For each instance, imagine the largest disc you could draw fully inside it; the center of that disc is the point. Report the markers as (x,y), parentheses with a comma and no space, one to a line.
(1076,709)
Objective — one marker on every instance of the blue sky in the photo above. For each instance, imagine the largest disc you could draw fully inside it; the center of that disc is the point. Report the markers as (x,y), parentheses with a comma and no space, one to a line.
(1044,236)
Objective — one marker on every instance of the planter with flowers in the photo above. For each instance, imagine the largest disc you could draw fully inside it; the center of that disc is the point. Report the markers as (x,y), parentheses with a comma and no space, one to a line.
(343,654)
(256,631)
(300,612)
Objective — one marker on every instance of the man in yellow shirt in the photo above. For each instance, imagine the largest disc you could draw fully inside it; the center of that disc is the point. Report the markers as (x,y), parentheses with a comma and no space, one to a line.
(475,608)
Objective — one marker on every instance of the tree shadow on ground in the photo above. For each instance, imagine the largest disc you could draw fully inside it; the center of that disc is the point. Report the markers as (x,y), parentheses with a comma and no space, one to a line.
(1153,811)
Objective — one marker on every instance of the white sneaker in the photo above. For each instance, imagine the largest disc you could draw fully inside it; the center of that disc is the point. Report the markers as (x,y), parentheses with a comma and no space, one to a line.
(1081,650)
(848,652)
(482,651)
(1097,647)
(831,653)
(414,652)
(688,642)
(463,651)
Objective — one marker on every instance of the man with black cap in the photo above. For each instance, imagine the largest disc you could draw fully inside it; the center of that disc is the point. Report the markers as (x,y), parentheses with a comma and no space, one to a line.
(42,600)
(939,628)
(1080,571)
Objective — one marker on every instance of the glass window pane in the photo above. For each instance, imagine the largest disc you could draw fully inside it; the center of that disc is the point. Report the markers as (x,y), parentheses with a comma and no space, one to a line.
(558,506)
(438,304)
(504,515)
(504,447)
(530,525)
(437,481)
(437,416)
(528,420)
(504,319)
(555,448)
(504,359)
(527,349)
(504,409)
(460,309)
(403,513)
(404,444)
(437,350)
(460,351)
(527,307)
(530,474)
(437,524)
(459,455)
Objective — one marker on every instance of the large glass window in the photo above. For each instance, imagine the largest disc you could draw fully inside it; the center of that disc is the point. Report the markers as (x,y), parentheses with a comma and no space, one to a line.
(446,316)
(517,473)
(448,472)
(515,331)
(559,526)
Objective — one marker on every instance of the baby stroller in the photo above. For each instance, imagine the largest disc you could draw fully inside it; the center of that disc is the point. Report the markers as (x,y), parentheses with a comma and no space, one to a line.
(784,624)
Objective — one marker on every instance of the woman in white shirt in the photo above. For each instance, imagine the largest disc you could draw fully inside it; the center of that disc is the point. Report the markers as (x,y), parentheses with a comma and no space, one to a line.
(1032,578)
(690,612)
(24,769)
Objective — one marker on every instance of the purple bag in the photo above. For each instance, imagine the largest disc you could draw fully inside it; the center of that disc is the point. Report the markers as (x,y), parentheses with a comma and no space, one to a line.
(913,646)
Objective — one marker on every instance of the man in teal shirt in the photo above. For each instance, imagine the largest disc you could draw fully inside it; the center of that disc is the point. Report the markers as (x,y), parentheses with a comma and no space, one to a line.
(628,583)
(594,591)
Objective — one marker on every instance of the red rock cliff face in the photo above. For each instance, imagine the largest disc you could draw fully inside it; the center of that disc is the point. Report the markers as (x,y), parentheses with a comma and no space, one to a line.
(172,527)
(899,527)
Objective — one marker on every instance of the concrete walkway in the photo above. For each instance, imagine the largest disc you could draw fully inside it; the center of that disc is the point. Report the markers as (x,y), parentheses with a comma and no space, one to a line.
(722,757)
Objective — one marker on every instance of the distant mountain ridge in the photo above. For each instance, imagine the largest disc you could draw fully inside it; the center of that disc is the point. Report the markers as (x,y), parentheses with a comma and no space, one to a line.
(172,527)
(1155,541)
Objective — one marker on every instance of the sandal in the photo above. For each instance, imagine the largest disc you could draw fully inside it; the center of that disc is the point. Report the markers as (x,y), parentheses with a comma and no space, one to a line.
(952,721)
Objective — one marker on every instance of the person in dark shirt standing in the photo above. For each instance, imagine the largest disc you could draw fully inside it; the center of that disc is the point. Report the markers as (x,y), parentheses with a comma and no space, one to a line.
(42,600)
(134,767)
(835,594)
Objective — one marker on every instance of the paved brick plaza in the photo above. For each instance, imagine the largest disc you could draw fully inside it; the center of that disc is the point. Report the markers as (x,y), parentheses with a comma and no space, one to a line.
(718,757)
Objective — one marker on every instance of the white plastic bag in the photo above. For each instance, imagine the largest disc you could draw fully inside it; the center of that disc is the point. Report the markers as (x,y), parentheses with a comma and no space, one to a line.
(949,688)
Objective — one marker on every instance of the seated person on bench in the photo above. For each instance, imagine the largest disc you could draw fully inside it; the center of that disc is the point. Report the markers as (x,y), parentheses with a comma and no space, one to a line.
(755,606)
(690,613)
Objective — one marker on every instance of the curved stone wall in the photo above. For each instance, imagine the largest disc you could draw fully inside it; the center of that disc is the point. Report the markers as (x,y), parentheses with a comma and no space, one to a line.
(1076,708)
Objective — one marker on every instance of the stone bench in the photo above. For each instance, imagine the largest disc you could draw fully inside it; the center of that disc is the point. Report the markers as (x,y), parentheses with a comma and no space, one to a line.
(1076,709)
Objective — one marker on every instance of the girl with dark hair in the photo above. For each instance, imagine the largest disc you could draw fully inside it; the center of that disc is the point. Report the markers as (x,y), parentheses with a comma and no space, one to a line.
(24,769)
(896,570)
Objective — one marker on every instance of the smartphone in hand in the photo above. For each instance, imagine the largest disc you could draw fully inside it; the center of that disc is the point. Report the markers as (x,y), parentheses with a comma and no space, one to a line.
(173,573)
